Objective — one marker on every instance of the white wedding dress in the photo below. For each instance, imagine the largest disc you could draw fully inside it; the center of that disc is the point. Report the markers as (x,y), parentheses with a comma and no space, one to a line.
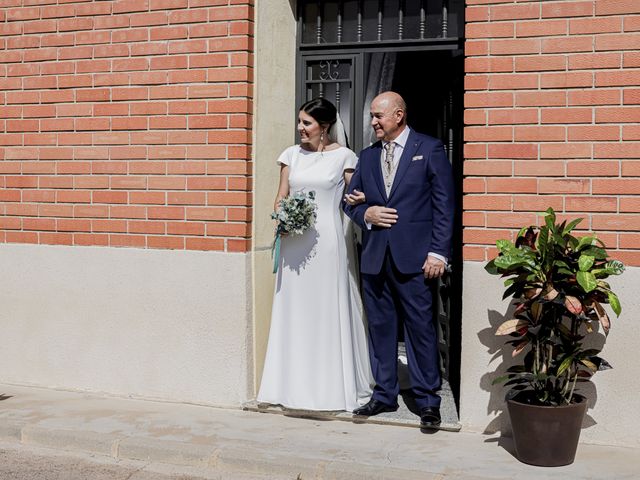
(317,357)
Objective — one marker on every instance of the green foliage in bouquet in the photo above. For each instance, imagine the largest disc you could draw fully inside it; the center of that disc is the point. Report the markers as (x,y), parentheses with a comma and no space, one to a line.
(558,285)
(295,214)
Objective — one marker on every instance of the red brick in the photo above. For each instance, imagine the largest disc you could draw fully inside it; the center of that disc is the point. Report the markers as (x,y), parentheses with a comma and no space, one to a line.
(539,168)
(186,168)
(147,167)
(539,134)
(630,204)
(630,240)
(631,59)
(631,96)
(632,23)
(205,213)
(567,9)
(127,211)
(483,236)
(208,30)
(471,253)
(127,6)
(168,33)
(631,132)
(617,115)
(566,115)
(618,186)
(496,134)
(147,198)
(625,41)
(592,61)
(185,228)
(593,169)
(488,168)
(511,185)
(228,198)
(617,78)
(617,150)
(536,203)
(109,197)
(488,64)
(549,185)
(476,47)
(565,150)
(540,63)
(594,97)
(127,241)
(617,223)
(205,244)
(489,30)
(475,150)
(542,99)
(167,183)
(475,117)
(593,133)
(591,204)
(567,44)
(616,7)
(581,26)
(566,80)
(513,82)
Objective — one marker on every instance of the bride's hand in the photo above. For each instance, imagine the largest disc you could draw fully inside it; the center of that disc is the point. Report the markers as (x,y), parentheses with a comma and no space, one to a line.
(355,198)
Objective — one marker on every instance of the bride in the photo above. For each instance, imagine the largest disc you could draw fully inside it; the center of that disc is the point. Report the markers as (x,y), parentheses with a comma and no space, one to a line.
(317,356)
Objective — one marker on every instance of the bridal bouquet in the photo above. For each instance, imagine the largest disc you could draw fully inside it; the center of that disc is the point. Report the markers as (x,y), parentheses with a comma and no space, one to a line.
(295,214)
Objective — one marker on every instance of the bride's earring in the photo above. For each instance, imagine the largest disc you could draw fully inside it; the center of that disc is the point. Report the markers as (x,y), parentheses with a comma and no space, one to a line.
(322,137)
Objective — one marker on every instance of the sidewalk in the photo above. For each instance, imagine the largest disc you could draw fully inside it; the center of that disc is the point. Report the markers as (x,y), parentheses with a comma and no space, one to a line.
(235,442)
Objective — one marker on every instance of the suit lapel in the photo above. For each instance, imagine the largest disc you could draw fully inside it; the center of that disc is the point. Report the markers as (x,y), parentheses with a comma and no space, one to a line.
(376,152)
(411,147)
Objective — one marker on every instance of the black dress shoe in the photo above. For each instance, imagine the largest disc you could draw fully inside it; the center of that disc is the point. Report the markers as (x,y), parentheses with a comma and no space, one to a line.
(374,407)
(430,417)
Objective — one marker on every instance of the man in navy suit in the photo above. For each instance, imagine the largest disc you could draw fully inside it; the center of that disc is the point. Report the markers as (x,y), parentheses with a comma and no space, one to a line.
(407,222)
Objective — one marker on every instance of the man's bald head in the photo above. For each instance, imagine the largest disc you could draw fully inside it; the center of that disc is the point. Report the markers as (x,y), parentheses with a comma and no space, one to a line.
(388,115)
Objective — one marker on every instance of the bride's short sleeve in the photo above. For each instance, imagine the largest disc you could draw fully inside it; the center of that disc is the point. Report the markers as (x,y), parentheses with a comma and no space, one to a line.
(351,161)
(285,157)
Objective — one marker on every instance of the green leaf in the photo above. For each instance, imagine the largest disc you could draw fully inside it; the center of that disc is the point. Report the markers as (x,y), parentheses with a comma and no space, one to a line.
(505,246)
(614,267)
(587,281)
(566,363)
(585,242)
(585,262)
(571,226)
(614,302)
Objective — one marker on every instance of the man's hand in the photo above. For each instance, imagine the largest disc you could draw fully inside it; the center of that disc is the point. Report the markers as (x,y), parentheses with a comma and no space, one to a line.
(355,198)
(433,267)
(381,216)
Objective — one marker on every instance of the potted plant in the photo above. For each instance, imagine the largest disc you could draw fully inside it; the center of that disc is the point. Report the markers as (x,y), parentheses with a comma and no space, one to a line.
(557,282)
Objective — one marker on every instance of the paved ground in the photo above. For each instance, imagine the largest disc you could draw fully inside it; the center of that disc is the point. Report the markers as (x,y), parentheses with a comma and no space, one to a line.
(241,445)
(21,462)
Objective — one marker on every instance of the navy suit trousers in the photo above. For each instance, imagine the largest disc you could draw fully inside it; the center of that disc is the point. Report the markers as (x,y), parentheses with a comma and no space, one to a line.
(387,295)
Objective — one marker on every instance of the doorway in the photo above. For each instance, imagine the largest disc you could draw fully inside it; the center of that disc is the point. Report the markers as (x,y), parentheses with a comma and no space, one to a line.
(348,52)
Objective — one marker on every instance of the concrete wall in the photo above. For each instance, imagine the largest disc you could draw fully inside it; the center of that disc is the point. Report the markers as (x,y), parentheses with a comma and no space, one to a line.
(165,324)
(274,130)
(612,417)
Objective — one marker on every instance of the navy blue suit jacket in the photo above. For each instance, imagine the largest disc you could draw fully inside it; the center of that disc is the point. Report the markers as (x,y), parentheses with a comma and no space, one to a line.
(423,195)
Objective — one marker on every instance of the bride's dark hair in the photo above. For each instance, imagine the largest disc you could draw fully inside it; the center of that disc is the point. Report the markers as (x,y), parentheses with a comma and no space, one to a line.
(323,111)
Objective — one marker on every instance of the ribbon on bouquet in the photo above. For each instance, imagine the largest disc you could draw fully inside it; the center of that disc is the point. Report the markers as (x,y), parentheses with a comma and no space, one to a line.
(276,256)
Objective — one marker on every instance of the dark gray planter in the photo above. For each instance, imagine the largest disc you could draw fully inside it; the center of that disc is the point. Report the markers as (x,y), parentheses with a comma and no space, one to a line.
(546,436)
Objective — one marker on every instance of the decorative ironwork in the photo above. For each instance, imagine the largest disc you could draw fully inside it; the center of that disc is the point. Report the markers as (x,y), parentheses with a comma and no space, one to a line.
(329,70)
(332,22)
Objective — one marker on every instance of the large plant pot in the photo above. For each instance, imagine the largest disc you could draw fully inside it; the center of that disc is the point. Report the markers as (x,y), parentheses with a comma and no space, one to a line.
(546,436)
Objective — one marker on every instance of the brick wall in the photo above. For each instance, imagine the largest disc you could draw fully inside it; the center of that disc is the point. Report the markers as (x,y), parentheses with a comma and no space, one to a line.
(552,107)
(126,123)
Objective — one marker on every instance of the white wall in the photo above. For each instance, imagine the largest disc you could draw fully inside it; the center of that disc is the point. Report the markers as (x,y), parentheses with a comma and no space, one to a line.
(612,417)
(163,324)
(274,130)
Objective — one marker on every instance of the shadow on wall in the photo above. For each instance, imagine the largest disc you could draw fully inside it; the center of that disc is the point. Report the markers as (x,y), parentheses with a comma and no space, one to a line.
(4,397)
(502,354)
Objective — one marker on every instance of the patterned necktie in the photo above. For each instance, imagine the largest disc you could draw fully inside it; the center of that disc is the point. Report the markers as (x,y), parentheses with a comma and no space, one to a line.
(388,158)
